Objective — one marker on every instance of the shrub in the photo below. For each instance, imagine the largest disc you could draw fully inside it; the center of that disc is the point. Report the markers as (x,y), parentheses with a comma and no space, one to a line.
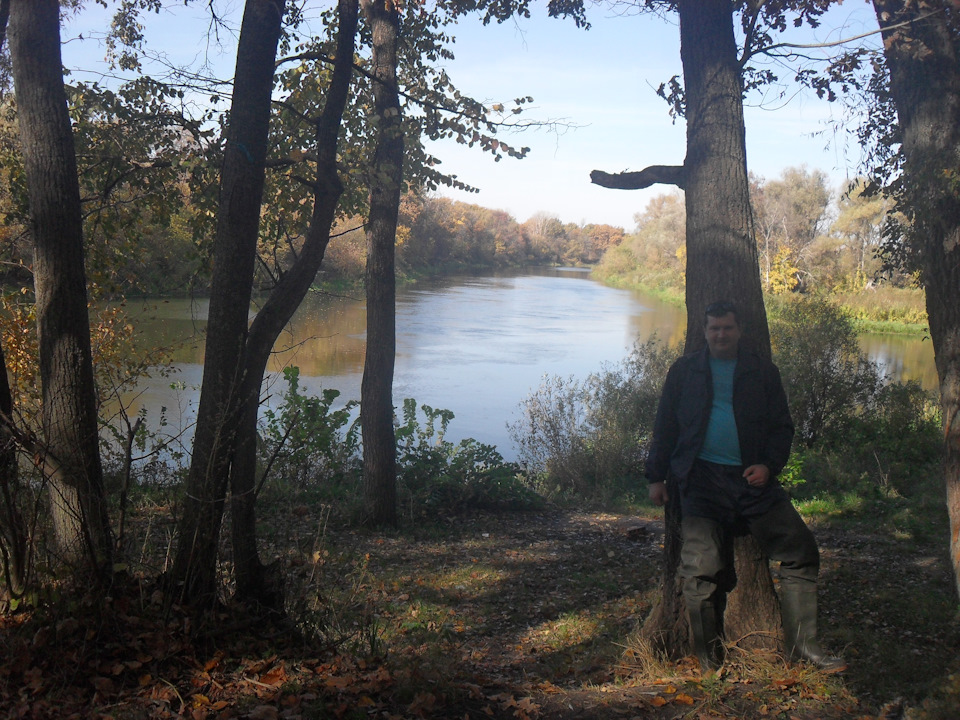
(436,475)
(829,380)
(588,439)
(863,446)
(305,441)
(891,449)
(314,447)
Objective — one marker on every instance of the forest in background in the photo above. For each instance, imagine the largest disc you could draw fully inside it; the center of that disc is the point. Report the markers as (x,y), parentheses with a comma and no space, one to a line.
(812,240)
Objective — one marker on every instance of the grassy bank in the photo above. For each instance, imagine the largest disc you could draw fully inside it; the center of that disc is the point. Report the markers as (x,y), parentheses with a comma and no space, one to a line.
(883,309)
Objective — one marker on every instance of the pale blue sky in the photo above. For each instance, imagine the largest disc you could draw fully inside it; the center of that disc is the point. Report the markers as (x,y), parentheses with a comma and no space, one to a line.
(601,82)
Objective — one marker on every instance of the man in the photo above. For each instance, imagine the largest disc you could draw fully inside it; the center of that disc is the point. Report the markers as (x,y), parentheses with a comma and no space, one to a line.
(723,432)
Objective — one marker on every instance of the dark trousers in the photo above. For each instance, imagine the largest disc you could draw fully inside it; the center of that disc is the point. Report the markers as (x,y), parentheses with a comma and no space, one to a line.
(782,534)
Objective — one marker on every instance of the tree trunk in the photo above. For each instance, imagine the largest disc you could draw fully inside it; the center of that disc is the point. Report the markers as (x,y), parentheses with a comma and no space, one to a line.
(13,532)
(194,577)
(66,369)
(376,391)
(721,246)
(924,63)
(14,545)
(721,265)
(276,313)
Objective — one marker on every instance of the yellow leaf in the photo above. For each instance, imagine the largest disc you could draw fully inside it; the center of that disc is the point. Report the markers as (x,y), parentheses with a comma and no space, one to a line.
(684,699)
(659,701)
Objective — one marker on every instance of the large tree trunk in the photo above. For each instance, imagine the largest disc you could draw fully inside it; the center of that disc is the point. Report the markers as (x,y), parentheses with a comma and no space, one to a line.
(721,265)
(376,391)
(276,313)
(66,369)
(923,57)
(194,576)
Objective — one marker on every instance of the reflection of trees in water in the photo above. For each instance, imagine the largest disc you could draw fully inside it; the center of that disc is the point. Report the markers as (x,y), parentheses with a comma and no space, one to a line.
(667,321)
(326,337)
(903,357)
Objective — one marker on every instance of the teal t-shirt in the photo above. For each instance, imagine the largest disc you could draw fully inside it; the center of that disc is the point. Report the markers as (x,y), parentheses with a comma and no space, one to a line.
(722,444)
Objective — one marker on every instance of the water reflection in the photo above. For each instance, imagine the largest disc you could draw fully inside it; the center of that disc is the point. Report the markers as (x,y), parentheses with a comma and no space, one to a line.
(476,345)
(903,357)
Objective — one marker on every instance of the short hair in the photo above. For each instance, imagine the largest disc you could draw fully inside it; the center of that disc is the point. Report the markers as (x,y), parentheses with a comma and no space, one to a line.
(719,309)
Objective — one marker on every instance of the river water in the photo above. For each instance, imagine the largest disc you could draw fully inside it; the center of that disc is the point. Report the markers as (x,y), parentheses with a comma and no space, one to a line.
(476,345)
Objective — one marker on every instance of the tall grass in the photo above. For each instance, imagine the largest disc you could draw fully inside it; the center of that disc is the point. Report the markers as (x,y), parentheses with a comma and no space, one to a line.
(890,306)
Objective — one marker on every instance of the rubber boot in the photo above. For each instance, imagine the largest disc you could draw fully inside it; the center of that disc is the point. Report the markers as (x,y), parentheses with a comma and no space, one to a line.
(800,631)
(703,631)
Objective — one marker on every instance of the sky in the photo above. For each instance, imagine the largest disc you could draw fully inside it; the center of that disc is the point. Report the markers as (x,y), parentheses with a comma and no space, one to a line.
(598,85)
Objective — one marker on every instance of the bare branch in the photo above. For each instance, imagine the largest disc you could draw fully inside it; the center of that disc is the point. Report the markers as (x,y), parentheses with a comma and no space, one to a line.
(662,174)
(835,43)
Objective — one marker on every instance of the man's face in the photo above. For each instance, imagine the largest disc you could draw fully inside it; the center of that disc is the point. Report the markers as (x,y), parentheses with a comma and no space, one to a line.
(723,336)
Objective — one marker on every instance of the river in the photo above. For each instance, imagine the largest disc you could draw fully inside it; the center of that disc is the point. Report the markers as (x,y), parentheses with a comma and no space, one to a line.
(476,345)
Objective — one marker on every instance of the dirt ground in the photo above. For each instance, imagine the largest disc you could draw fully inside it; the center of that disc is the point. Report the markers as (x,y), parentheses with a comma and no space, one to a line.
(503,615)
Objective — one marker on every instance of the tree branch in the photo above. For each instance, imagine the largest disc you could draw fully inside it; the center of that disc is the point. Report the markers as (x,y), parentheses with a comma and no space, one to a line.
(421,102)
(663,174)
(769,49)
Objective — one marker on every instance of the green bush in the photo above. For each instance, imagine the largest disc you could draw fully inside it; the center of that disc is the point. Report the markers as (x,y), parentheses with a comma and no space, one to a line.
(305,441)
(858,437)
(435,475)
(311,446)
(829,379)
(863,446)
(588,439)
(891,449)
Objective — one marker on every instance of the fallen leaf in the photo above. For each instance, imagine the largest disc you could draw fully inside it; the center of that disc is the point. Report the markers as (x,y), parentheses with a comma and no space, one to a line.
(276,676)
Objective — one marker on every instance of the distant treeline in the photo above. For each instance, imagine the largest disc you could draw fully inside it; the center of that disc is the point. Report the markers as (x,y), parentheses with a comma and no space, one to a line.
(811,239)
(435,235)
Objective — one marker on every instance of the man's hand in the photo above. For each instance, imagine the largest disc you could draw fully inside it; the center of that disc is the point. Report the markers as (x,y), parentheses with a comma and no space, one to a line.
(756,475)
(658,493)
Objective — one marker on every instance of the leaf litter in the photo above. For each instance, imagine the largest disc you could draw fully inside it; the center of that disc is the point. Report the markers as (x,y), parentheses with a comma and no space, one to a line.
(509,615)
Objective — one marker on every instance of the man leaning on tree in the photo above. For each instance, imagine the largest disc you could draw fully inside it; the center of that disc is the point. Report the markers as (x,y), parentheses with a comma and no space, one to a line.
(723,432)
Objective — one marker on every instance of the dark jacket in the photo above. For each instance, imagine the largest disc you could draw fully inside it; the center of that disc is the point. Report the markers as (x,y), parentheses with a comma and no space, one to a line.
(760,410)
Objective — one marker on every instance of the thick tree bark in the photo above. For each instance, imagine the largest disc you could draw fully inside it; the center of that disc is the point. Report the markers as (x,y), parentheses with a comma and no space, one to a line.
(14,544)
(194,576)
(376,391)
(721,265)
(277,311)
(924,62)
(66,369)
